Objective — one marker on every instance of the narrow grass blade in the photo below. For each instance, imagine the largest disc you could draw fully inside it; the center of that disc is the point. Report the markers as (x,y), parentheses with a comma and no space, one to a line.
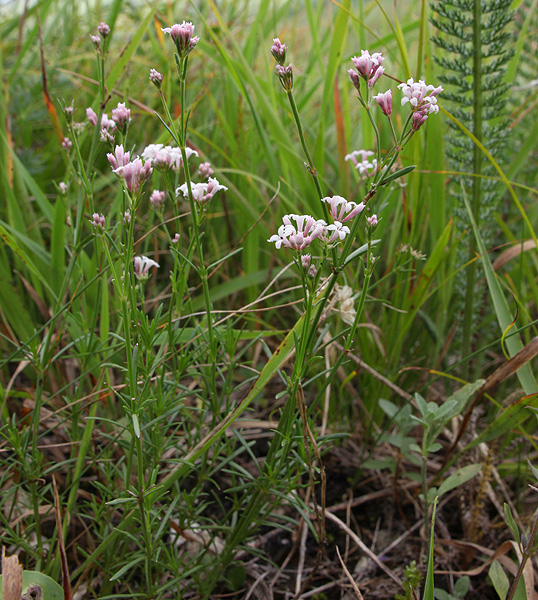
(504,317)
(129,50)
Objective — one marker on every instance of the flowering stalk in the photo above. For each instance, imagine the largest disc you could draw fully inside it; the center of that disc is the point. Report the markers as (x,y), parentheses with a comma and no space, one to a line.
(182,35)
(126,291)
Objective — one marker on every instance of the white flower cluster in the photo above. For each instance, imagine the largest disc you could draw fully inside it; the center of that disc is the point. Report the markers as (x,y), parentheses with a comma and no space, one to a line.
(165,157)
(299,231)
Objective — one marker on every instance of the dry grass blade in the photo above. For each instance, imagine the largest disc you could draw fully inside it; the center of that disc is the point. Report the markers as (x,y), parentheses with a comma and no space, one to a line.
(498,376)
(63,557)
(377,375)
(362,546)
(11,576)
(511,253)
(510,367)
(349,576)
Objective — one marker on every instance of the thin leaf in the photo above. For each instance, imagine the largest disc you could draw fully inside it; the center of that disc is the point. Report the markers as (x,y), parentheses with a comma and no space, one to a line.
(514,344)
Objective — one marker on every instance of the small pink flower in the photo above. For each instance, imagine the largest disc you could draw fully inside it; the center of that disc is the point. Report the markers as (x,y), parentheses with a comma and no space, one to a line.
(107,123)
(310,269)
(142,265)
(298,232)
(418,119)
(342,210)
(120,158)
(67,144)
(63,187)
(285,74)
(334,233)
(205,170)
(385,102)
(182,37)
(106,136)
(372,221)
(362,154)
(92,116)
(367,168)
(127,217)
(156,78)
(69,113)
(121,115)
(278,50)
(134,174)
(175,239)
(103,29)
(96,40)
(157,199)
(98,221)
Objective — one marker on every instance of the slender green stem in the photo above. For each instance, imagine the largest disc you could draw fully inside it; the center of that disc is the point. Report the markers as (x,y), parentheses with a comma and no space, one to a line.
(202,271)
(310,163)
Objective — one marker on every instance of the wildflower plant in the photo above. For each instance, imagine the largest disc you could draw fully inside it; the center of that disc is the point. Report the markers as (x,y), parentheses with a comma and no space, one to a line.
(165,363)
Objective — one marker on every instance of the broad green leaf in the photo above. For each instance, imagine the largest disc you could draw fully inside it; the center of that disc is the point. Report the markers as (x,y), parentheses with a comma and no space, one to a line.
(499,579)
(458,478)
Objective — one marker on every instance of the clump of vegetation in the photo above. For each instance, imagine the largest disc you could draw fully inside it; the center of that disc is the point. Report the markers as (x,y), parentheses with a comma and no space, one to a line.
(229,348)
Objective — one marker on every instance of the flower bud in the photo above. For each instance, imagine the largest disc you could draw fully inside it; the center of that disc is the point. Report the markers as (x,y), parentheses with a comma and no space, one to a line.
(96,42)
(285,74)
(156,78)
(103,29)
(278,50)
(385,102)
(182,37)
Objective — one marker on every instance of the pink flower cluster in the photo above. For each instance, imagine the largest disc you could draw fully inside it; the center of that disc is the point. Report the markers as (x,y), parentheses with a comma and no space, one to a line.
(298,234)
(205,170)
(133,173)
(120,158)
(182,37)
(121,115)
(342,210)
(142,265)
(202,192)
(368,66)
(285,74)
(422,99)
(157,199)
(98,221)
(278,50)
(156,78)
(420,96)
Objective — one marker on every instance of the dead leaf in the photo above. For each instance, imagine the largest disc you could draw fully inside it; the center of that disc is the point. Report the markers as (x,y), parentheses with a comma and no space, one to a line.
(11,577)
